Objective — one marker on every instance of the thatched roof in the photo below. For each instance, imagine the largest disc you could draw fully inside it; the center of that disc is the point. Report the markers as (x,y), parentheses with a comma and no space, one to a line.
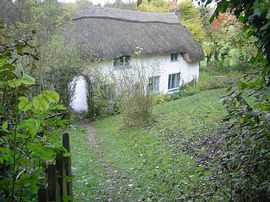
(108,33)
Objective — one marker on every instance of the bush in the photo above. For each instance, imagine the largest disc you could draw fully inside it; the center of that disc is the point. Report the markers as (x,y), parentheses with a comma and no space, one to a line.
(102,100)
(209,81)
(158,98)
(136,101)
(136,107)
(184,91)
(30,125)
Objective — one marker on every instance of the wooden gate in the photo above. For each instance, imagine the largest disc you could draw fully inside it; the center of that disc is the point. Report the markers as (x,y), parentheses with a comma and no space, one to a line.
(59,178)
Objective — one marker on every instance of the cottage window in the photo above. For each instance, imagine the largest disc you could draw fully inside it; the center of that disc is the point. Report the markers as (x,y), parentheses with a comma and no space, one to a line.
(174,57)
(122,61)
(173,81)
(109,91)
(153,85)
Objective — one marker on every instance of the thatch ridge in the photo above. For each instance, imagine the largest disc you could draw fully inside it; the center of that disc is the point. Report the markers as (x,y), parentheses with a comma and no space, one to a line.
(94,11)
(125,20)
(108,33)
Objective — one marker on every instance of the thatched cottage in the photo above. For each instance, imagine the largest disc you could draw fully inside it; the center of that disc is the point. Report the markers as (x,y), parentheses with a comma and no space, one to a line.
(117,35)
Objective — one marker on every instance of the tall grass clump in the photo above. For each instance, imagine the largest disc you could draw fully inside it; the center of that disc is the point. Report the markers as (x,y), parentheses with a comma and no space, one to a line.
(136,101)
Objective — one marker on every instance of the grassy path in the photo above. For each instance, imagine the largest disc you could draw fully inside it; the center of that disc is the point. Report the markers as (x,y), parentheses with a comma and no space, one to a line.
(147,162)
(113,177)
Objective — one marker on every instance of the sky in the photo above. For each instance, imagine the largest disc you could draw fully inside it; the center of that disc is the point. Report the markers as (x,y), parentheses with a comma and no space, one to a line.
(102,2)
(95,2)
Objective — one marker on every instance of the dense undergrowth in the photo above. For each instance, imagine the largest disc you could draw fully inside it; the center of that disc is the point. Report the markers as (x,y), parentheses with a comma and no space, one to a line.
(30,122)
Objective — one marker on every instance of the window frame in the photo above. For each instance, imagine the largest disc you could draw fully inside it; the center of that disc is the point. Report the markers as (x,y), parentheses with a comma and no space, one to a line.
(171,83)
(154,85)
(122,62)
(174,57)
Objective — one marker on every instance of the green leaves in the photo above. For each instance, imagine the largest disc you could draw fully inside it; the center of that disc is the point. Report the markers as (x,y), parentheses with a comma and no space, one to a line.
(41,102)
(26,79)
(5,125)
(14,83)
(3,61)
(24,104)
(29,123)
(51,96)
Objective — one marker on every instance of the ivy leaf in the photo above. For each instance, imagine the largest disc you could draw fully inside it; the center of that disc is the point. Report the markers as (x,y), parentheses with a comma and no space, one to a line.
(41,152)
(51,96)
(30,125)
(24,104)
(14,83)
(5,125)
(27,79)
(58,107)
(40,103)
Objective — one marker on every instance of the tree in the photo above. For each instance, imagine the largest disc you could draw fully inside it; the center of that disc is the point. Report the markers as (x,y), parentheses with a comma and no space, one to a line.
(120,4)
(29,135)
(190,17)
(244,163)
(155,6)
(255,16)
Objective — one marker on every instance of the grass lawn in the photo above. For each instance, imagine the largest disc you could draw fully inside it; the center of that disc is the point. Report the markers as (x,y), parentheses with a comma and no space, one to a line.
(144,163)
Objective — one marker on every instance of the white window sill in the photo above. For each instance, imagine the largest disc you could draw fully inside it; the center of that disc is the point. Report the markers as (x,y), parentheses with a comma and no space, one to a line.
(172,90)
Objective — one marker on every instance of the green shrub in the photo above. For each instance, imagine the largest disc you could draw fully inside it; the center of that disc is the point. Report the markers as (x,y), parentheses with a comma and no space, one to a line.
(136,101)
(184,91)
(136,107)
(29,125)
(208,81)
(101,102)
(159,98)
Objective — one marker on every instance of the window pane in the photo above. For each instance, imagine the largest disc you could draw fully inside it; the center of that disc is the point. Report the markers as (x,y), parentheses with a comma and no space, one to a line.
(177,79)
(122,61)
(174,81)
(154,84)
(174,57)
(169,81)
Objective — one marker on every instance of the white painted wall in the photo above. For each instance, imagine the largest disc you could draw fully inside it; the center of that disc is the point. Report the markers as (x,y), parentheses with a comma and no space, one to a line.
(79,99)
(159,65)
